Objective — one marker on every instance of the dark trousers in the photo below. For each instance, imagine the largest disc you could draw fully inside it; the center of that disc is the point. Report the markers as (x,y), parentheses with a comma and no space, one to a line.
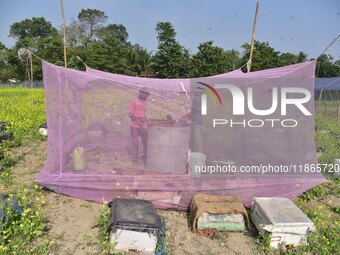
(135,134)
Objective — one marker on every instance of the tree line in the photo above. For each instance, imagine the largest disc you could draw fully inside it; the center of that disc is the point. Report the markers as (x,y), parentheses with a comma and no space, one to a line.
(106,47)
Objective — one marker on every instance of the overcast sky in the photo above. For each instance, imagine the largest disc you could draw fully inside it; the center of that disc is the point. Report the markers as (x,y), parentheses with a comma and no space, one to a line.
(288,25)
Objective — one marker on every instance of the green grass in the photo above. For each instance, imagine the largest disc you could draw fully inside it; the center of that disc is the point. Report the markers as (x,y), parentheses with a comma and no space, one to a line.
(105,246)
(317,203)
(328,108)
(25,234)
(327,139)
(24,110)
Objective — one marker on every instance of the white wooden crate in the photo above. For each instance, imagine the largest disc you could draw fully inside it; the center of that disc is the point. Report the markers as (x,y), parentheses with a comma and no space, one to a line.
(142,242)
(283,219)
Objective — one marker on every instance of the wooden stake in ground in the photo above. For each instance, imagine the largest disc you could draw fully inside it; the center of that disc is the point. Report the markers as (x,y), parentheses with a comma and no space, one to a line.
(253,38)
(31,77)
(338,111)
(64,30)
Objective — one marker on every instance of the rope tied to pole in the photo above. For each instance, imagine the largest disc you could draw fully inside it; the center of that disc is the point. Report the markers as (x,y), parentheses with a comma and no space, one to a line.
(25,55)
(330,45)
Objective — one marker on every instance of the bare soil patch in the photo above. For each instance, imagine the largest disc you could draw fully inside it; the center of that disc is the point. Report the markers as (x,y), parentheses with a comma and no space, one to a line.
(70,221)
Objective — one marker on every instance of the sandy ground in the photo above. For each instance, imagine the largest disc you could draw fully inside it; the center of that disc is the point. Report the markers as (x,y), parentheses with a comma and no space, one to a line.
(70,220)
(180,240)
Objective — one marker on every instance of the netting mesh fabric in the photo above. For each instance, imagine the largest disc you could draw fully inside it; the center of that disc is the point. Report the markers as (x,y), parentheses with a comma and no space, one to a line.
(106,141)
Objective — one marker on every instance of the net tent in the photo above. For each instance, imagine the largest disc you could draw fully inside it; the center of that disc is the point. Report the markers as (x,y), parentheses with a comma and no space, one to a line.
(90,147)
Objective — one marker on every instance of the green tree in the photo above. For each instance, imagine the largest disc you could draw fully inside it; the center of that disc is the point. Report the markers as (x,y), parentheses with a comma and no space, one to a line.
(48,48)
(117,30)
(139,60)
(40,37)
(73,34)
(171,59)
(35,28)
(3,51)
(288,59)
(209,60)
(146,62)
(132,59)
(108,55)
(9,67)
(88,32)
(264,56)
(233,59)
(326,68)
(91,21)
(6,70)
(302,57)
(51,49)
(2,46)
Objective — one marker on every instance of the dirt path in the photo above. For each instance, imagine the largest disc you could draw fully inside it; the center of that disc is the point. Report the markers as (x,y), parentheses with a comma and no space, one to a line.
(70,220)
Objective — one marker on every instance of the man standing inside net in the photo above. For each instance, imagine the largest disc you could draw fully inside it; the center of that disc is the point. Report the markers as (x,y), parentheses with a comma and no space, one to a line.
(138,124)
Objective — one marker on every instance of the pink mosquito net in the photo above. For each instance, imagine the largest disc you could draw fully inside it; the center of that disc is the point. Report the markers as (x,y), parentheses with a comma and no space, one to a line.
(96,152)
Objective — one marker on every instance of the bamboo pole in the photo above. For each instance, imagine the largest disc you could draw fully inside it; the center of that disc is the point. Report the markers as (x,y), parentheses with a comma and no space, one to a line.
(338,111)
(253,38)
(335,39)
(31,77)
(338,99)
(64,30)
